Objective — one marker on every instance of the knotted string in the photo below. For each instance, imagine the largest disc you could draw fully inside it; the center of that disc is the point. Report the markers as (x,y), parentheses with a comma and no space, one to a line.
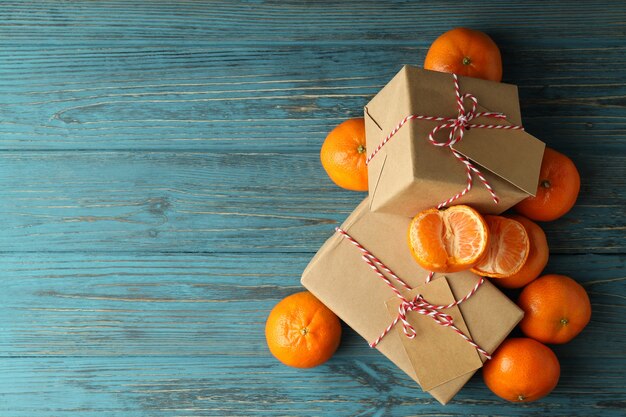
(418,304)
(457,125)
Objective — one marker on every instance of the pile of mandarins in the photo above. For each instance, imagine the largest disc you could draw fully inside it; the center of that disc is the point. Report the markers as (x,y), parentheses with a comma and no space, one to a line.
(512,250)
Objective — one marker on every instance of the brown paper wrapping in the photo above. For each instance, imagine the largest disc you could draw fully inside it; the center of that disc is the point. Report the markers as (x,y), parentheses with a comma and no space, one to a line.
(437,353)
(338,276)
(409,174)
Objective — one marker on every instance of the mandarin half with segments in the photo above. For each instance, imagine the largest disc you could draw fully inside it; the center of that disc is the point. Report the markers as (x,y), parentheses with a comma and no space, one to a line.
(537,260)
(449,240)
(507,251)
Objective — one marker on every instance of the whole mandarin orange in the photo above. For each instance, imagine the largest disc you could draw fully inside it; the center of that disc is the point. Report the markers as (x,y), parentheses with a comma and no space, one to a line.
(301,331)
(343,155)
(559,184)
(537,260)
(556,309)
(465,52)
(522,370)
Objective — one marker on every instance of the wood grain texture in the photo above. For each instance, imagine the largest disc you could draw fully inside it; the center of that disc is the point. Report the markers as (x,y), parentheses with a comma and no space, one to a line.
(194,99)
(230,202)
(182,334)
(64,304)
(107,75)
(160,191)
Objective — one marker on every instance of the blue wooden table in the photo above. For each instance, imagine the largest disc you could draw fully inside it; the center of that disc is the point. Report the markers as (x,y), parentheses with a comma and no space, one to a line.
(160,191)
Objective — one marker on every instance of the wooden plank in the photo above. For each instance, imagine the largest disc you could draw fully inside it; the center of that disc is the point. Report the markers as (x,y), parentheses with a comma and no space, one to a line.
(156,79)
(245,386)
(90,304)
(152,335)
(239,202)
(281,98)
(291,21)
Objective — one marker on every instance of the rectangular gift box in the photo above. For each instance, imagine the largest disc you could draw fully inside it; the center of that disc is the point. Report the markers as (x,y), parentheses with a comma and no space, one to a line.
(437,357)
(409,174)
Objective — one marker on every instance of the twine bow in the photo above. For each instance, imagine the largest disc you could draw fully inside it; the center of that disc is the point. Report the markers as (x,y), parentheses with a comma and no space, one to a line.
(457,125)
(421,306)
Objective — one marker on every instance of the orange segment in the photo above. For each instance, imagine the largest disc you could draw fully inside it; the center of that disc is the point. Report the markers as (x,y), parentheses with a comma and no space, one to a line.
(448,240)
(507,251)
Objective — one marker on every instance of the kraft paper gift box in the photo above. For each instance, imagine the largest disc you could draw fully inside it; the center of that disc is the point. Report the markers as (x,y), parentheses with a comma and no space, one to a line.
(409,174)
(437,358)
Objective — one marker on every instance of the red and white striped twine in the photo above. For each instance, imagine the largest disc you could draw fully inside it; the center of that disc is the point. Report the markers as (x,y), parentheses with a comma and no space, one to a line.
(418,304)
(457,126)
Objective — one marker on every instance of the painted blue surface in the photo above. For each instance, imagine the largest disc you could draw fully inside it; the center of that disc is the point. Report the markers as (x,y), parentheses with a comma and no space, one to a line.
(160,191)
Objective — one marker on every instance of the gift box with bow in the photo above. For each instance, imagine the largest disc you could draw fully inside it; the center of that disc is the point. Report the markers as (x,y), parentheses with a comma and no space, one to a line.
(435,139)
(437,328)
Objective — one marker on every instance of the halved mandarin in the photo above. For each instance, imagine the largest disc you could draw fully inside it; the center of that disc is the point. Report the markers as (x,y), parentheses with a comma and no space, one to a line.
(507,251)
(449,240)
